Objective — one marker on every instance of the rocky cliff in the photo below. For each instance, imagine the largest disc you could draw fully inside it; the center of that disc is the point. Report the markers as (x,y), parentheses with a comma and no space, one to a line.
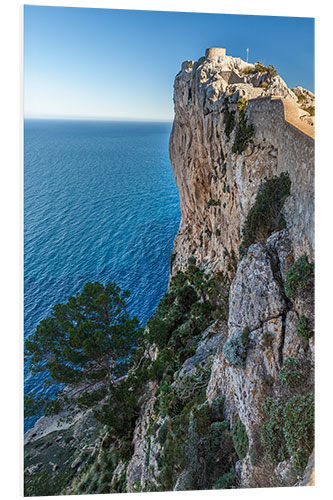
(218,183)
(235,127)
(226,389)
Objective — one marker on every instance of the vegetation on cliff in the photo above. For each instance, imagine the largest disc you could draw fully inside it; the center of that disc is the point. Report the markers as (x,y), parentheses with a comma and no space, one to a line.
(261,68)
(86,344)
(299,278)
(244,130)
(197,446)
(265,216)
(80,339)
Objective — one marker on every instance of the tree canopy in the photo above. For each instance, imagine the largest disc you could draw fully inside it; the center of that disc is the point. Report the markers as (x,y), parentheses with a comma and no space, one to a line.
(87,344)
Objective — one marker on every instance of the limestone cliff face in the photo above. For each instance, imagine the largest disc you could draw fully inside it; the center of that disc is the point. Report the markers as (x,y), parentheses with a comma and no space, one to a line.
(217,186)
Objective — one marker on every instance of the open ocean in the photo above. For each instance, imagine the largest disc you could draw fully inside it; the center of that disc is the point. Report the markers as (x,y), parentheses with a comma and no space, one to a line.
(100,204)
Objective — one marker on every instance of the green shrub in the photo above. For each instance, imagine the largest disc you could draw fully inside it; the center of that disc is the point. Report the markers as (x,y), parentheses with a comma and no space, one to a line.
(245,335)
(244,132)
(201,316)
(235,348)
(310,110)
(290,373)
(42,483)
(119,486)
(229,118)
(241,105)
(289,429)
(162,433)
(271,70)
(303,329)
(187,296)
(216,409)
(178,280)
(182,314)
(195,438)
(240,439)
(272,437)
(298,429)
(299,277)
(209,450)
(226,481)
(261,68)
(248,70)
(265,217)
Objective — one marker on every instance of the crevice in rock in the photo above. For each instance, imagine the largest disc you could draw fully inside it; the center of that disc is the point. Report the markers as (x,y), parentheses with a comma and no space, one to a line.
(283,334)
(276,270)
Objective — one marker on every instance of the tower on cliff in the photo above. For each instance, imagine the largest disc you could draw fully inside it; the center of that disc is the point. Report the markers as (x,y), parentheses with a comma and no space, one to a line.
(215,52)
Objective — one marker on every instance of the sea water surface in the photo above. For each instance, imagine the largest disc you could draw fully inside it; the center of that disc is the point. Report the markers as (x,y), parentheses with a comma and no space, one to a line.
(100,204)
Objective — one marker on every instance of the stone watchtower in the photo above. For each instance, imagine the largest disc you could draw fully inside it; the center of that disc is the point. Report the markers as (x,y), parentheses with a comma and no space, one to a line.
(214,53)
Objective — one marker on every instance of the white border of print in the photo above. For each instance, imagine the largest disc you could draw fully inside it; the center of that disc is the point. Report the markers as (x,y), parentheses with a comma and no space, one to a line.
(11,210)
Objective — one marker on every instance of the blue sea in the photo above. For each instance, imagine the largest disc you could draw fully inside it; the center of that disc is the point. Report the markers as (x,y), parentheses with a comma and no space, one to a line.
(100,204)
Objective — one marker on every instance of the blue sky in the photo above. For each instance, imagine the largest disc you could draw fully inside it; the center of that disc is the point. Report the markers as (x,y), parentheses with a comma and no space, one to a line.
(105,63)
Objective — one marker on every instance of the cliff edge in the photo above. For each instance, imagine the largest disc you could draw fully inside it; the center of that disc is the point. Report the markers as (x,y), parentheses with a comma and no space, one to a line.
(218,170)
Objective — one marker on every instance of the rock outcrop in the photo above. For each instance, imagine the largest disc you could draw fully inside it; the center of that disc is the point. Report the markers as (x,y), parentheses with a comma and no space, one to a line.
(218,186)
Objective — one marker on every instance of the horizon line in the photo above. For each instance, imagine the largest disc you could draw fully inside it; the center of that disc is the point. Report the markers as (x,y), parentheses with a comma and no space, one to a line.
(96,118)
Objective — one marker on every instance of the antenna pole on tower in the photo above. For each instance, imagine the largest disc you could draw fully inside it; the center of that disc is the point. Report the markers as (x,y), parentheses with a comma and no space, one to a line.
(247,55)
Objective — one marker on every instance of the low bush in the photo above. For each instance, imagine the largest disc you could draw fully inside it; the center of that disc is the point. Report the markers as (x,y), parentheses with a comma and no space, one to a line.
(265,217)
(290,373)
(261,68)
(235,348)
(195,437)
(226,482)
(298,428)
(272,437)
(43,483)
(240,439)
(310,110)
(303,329)
(244,132)
(241,105)
(289,429)
(299,278)
(187,296)
(229,118)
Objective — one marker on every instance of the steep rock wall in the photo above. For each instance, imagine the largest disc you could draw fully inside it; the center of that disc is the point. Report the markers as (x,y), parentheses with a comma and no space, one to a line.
(217,187)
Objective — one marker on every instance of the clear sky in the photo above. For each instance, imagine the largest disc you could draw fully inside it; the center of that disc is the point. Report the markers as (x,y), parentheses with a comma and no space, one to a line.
(101,63)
